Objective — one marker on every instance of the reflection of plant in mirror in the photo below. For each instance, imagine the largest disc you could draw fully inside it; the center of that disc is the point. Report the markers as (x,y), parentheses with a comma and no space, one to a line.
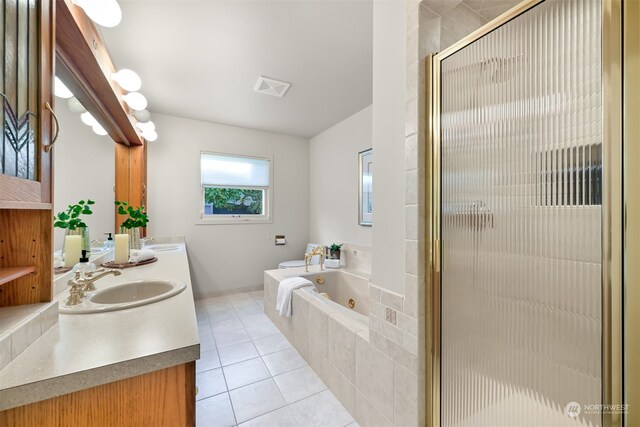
(234,199)
(137,216)
(335,247)
(71,219)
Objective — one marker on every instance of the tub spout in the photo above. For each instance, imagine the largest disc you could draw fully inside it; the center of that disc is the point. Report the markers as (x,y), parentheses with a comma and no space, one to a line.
(318,250)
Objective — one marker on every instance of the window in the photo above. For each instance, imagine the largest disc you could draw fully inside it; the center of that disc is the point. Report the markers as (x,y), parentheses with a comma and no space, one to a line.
(235,188)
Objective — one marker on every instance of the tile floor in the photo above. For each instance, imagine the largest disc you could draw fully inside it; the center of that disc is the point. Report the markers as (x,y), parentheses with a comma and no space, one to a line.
(249,374)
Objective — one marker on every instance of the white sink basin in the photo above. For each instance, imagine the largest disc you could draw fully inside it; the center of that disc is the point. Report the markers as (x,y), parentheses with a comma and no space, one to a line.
(126,295)
(163,247)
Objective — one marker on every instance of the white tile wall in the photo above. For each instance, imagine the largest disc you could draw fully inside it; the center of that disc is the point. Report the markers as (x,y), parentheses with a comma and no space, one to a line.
(20,326)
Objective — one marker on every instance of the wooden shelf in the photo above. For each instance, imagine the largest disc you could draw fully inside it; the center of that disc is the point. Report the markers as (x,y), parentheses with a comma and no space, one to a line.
(4,204)
(8,274)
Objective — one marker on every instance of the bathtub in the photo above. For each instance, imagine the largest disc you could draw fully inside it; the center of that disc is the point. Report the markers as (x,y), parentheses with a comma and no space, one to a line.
(327,331)
(348,293)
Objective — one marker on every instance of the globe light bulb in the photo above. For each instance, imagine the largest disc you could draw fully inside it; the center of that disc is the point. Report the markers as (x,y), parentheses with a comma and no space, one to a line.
(146,127)
(106,13)
(150,135)
(127,79)
(136,101)
(142,116)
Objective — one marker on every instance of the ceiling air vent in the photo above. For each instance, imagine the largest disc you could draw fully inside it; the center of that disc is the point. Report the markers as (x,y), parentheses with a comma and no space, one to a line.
(271,87)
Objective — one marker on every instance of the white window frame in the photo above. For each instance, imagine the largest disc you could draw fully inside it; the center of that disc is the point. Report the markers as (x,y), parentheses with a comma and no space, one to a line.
(267,203)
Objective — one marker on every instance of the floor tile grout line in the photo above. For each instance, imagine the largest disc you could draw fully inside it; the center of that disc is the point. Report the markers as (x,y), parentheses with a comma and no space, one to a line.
(226,385)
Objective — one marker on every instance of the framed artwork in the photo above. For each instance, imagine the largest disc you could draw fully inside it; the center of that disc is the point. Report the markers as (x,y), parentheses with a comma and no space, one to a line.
(365,187)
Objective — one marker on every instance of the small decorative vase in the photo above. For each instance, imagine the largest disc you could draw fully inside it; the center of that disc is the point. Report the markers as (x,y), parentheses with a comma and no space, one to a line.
(134,237)
(80,231)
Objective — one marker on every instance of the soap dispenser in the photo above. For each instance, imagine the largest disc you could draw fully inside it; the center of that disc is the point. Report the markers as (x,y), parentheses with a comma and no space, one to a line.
(84,266)
(108,245)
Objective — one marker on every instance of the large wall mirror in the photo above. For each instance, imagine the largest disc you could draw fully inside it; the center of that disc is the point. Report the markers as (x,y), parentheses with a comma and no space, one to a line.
(83,169)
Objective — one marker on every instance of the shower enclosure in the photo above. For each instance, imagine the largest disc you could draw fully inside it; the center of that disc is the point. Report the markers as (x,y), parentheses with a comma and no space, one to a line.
(526,223)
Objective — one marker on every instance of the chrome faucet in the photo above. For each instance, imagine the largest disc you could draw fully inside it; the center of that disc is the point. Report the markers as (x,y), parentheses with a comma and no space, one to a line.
(318,250)
(79,285)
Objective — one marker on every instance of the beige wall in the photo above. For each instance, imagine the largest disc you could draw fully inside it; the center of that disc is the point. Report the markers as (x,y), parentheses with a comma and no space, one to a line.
(388,112)
(226,258)
(333,167)
(83,168)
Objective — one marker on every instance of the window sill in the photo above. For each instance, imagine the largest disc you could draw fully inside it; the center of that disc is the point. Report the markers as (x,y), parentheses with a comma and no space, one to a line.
(233,221)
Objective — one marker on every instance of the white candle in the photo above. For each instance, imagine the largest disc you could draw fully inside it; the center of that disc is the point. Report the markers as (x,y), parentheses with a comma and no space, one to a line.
(72,249)
(122,249)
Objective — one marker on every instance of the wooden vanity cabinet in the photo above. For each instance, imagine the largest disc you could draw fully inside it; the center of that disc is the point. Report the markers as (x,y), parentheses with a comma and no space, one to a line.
(28,124)
(161,398)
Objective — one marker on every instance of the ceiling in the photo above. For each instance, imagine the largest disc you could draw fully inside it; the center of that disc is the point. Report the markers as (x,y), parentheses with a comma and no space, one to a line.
(202,59)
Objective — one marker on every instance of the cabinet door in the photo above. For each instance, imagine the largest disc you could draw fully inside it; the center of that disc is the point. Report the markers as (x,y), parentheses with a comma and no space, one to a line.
(26,103)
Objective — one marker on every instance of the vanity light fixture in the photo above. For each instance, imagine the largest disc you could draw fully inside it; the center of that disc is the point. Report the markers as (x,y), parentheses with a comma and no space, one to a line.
(99,129)
(106,13)
(76,106)
(142,116)
(135,100)
(88,119)
(127,79)
(60,90)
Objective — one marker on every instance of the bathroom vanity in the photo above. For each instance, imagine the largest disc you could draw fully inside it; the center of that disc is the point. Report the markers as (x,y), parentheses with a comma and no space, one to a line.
(125,367)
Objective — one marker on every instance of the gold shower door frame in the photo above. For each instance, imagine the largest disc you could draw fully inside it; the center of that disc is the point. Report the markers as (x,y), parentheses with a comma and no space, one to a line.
(618,206)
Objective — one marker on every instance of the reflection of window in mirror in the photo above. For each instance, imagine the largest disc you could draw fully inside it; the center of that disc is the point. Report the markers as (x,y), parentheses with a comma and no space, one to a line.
(83,169)
(365,165)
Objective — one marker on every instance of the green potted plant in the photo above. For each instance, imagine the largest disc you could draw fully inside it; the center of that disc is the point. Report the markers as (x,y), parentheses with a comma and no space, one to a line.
(136,217)
(334,250)
(73,223)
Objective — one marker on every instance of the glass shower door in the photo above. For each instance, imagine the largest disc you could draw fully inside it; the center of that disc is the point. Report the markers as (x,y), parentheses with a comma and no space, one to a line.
(521,172)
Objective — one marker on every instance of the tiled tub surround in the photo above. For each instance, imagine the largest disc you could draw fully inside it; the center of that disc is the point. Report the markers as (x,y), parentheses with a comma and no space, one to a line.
(356,258)
(378,387)
(249,375)
(87,350)
(342,287)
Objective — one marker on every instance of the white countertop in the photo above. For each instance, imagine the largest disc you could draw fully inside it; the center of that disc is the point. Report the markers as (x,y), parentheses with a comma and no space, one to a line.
(86,350)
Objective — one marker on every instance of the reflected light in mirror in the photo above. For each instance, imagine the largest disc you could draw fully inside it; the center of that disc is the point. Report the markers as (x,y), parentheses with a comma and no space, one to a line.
(88,119)
(99,129)
(60,90)
(76,106)
(127,79)
(135,100)
(106,13)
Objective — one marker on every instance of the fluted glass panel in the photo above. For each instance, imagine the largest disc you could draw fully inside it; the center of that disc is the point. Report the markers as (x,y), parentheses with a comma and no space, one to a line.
(521,117)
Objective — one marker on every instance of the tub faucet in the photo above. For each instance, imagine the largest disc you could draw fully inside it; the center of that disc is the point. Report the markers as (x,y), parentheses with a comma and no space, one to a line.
(318,250)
